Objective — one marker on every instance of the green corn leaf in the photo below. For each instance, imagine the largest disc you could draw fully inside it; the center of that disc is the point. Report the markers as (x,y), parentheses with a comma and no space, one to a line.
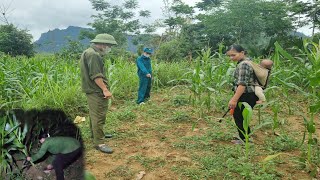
(303,138)
(246,113)
(315,107)
(271,157)
(310,125)
(311,128)
(283,52)
(310,141)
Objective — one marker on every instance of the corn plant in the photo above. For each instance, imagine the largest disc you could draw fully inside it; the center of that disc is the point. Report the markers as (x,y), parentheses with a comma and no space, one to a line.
(311,129)
(312,51)
(305,73)
(11,142)
(275,109)
(247,116)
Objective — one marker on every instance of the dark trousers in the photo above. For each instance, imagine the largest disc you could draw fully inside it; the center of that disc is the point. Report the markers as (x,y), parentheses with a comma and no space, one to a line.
(251,99)
(144,89)
(61,161)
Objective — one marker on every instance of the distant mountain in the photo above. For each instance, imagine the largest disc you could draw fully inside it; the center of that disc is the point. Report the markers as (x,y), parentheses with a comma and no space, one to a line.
(299,34)
(55,40)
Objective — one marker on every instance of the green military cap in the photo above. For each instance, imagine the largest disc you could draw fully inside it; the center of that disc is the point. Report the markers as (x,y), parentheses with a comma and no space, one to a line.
(104,39)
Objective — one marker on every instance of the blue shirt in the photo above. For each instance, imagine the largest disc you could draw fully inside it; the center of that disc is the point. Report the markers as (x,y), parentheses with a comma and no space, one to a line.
(144,65)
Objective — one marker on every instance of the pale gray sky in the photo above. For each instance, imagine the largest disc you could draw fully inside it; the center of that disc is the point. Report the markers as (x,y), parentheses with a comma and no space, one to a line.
(40,16)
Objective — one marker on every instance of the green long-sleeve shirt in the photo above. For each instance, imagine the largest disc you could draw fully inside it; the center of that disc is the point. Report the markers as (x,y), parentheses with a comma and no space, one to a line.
(92,67)
(57,145)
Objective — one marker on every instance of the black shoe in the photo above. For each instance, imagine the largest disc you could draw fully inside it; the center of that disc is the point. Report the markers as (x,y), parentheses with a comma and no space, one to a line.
(104,148)
(108,136)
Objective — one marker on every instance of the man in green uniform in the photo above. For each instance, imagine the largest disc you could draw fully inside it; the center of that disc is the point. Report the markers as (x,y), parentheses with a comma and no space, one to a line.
(65,149)
(94,84)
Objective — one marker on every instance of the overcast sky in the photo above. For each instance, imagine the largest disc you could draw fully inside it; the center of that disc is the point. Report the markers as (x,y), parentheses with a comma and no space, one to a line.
(40,16)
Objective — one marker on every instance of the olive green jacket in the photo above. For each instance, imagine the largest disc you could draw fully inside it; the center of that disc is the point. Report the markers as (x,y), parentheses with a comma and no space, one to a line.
(57,145)
(92,67)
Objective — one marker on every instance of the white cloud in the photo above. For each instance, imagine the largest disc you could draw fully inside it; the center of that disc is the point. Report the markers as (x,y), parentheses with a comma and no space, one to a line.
(39,16)
(307,30)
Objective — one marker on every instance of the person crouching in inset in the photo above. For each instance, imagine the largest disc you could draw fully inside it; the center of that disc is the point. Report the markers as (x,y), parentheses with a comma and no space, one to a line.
(66,150)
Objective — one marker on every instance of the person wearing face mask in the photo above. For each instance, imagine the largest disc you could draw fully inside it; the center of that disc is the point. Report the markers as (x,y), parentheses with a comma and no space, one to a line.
(145,75)
(94,84)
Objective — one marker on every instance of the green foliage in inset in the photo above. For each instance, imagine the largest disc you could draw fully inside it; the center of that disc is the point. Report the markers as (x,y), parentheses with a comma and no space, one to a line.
(11,142)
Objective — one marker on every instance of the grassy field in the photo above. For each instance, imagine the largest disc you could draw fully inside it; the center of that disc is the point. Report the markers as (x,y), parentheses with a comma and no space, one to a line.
(166,139)
(180,134)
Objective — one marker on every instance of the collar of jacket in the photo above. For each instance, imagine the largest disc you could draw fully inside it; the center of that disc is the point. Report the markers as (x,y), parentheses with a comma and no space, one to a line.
(145,57)
(101,53)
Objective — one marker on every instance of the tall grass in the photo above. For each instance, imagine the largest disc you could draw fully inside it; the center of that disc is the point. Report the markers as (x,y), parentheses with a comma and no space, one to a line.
(46,81)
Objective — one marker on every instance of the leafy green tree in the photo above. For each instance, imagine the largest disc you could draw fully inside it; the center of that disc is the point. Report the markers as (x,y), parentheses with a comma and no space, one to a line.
(118,20)
(307,12)
(192,39)
(177,15)
(72,50)
(206,5)
(182,35)
(170,51)
(248,22)
(14,41)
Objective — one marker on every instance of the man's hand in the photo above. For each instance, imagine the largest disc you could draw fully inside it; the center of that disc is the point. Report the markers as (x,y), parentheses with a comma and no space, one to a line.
(28,158)
(49,167)
(107,94)
(148,75)
(232,103)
